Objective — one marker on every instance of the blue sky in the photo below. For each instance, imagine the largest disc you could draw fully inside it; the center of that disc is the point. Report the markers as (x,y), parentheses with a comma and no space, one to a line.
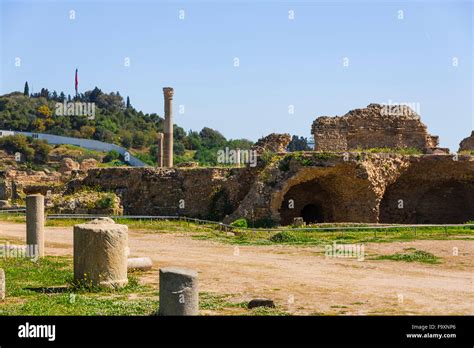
(283,62)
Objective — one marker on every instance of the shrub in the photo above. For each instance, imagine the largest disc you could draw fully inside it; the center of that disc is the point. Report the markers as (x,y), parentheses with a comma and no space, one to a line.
(283,237)
(284,164)
(111,156)
(240,223)
(105,202)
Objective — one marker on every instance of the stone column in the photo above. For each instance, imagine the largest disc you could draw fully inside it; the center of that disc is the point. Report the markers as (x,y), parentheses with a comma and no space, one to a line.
(178,291)
(2,285)
(238,159)
(35,225)
(100,253)
(159,151)
(168,148)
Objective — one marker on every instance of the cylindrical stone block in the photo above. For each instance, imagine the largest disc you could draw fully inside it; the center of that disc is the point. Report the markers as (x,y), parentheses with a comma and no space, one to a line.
(2,285)
(139,264)
(100,253)
(35,224)
(178,291)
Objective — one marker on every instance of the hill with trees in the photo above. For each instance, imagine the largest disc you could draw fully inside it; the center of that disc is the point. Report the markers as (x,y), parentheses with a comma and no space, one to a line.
(116,121)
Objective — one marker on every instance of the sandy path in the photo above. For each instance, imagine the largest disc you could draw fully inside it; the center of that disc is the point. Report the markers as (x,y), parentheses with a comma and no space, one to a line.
(301,279)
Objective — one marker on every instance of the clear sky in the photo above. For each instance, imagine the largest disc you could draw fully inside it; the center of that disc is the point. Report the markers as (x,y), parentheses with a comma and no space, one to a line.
(407,56)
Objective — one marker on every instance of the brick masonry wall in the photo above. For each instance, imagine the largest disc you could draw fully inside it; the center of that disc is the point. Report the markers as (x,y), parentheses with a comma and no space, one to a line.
(372,127)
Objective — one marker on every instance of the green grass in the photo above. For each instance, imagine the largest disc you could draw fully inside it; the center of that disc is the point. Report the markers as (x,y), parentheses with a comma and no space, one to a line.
(211,301)
(219,302)
(46,288)
(413,256)
(70,304)
(319,238)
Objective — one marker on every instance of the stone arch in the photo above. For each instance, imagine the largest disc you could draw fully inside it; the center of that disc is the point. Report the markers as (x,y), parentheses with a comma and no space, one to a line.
(331,193)
(431,195)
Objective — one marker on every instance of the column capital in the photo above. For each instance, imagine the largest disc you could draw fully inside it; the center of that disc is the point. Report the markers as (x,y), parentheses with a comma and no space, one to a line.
(168,92)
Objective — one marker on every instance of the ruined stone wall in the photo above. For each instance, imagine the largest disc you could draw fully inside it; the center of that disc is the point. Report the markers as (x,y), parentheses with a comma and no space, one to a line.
(358,187)
(372,127)
(273,142)
(433,189)
(197,192)
(347,189)
(364,188)
(467,144)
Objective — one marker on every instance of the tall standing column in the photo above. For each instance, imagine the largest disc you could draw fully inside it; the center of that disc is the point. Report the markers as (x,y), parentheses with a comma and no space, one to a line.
(168,148)
(35,224)
(159,151)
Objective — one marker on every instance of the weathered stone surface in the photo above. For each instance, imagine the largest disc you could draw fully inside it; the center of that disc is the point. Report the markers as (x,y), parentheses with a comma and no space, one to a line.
(336,188)
(2,285)
(188,165)
(372,127)
(16,184)
(35,223)
(467,144)
(4,204)
(139,264)
(68,165)
(88,163)
(100,253)
(85,202)
(178,291)
(298,221)
(261,302)
(200,192)
(432,189)
(273,142)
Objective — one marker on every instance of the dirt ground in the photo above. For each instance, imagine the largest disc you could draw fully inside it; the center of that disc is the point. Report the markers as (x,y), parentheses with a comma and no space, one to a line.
(301,279)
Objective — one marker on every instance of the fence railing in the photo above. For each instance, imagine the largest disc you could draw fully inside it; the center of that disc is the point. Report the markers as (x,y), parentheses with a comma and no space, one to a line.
(227,226)
(222,226)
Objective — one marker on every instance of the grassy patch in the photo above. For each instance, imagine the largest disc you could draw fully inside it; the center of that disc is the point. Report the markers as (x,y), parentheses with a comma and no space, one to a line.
(81,304)
(211,301)
(413,256)
(45,288)
(219,302)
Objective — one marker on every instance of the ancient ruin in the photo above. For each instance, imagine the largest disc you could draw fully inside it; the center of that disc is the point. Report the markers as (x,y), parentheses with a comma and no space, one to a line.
(168,128)
(35,223)
(273,142)
(338,183)
(178,292)
(467,144)
(376,126)
(100,253)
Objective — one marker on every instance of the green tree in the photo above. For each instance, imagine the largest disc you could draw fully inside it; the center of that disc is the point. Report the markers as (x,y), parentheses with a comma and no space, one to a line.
(111,156)
(138,140)
(211,138)
(26,90)
(42,149)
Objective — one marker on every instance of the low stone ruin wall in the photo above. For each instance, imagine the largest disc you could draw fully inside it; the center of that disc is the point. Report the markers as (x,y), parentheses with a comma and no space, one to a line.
(196,192)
